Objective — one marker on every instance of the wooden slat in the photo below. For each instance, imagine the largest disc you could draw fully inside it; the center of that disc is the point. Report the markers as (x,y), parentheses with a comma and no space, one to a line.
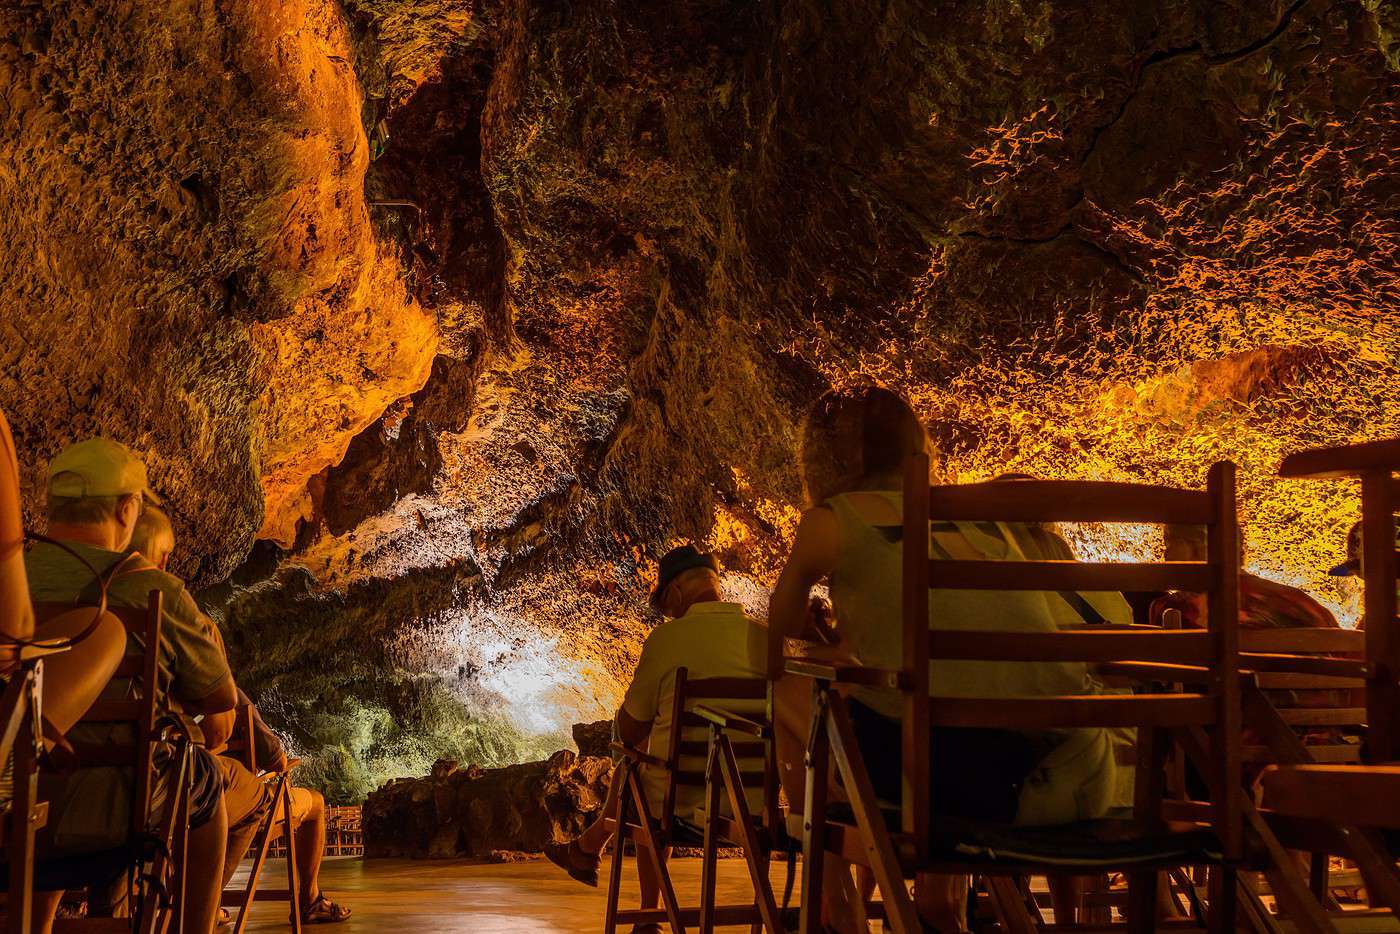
(1303,665)
(1068,575)
(1323,716)
(1344,461)
(1368,796)
(696,778)
(732,722)
(744,750)
(1064,712)
(726,689)
(845,674)
(1329,754)
(1307,641)
(1283,680)
(1069,501)
(1185,647)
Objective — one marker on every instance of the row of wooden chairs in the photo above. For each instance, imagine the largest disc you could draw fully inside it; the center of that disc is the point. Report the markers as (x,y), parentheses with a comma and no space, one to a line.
(154,859)
(1194,691)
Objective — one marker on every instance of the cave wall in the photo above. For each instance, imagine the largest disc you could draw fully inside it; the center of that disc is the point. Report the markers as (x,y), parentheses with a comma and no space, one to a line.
(468,309)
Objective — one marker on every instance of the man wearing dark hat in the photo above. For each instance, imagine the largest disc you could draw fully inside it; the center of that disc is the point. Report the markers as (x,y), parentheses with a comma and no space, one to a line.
(1352,566)
(708,637)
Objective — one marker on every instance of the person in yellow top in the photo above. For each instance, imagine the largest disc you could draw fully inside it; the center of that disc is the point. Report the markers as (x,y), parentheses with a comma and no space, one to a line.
(96,491)
(708,637)
(854,450)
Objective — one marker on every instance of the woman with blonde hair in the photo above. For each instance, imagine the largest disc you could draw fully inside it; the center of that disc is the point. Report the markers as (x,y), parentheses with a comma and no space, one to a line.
(855,447)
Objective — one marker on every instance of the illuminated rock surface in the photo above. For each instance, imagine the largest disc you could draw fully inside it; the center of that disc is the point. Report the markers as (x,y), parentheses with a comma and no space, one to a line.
(1112,241)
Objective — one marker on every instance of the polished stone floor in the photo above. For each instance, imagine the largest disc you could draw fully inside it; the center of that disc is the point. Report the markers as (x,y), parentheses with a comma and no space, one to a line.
(456,897)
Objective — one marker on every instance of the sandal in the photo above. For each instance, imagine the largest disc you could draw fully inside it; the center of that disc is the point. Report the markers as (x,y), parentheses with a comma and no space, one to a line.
(581,866)
(225,919)
(324,911)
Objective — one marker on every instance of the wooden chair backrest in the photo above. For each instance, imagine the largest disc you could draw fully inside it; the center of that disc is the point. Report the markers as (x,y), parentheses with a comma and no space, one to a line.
(690,737)
(1215,648)
(141,712)
(1376,465)
(1332,694)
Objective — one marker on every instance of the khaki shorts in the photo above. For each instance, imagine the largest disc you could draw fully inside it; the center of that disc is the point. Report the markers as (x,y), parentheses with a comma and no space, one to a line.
(247,796)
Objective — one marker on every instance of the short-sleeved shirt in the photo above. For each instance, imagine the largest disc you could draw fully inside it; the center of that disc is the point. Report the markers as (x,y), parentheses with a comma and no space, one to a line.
(89,808)
(712,640)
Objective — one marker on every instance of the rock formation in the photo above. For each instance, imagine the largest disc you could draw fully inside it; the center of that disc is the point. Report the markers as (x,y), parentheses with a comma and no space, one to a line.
(474,812)
(468,308)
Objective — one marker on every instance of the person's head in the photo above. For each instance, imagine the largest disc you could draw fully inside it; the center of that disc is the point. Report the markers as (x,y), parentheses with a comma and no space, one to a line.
(96,492)
(154,537)
(1352,566)
(686,576)
(858,439)
(1185,542)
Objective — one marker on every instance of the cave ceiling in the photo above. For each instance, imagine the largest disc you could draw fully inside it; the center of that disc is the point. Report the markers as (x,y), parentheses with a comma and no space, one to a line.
(438,321)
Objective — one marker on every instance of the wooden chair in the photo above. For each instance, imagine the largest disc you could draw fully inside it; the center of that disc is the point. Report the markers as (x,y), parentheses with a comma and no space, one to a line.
(1206,725)
(1376,465)
(155,859)
(1331,804)
(728,721)
(281,782)
(20,718)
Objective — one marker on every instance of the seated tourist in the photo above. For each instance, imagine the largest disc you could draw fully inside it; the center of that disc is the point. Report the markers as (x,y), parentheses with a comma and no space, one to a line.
(247,796)
(1352,566)
(96,491)
(710,639)
(854,450)
(74,678)
(1264,604)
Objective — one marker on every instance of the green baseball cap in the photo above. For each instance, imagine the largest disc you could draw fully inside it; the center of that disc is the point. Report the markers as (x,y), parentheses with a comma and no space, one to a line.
(98,467)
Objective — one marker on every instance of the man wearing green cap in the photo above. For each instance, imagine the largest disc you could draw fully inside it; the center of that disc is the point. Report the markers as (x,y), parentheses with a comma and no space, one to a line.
(96,491)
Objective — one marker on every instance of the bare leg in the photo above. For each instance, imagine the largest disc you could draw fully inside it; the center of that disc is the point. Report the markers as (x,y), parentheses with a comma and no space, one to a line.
(204,874)
(646,878)
(45,907)
(311,846)
(73,679)
(596,835)
(238,842)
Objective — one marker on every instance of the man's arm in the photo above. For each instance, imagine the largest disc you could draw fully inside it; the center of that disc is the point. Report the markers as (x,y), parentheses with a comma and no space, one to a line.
(217,728)
(813,558)
(632,732)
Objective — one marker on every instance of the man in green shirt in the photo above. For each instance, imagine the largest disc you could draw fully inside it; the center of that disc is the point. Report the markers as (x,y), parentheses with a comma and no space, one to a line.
(96,490)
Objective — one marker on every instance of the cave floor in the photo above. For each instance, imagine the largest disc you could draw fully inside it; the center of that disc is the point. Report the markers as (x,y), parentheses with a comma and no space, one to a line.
(456,896)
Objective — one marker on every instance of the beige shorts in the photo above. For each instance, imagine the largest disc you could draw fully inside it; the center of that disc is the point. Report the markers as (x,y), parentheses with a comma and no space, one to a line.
(247,796)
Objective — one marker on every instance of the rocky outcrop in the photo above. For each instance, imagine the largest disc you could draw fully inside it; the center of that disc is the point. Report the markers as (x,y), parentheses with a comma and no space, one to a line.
(473,307)
(475,812)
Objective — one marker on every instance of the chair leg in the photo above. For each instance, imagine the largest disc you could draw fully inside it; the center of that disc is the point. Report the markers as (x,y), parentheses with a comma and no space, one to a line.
(619,841)
(814,816)
(652,846)
(289,835)
(754,858)
(1224,900)
(1142,901)
(264,839)
(20,843)
(710,853)
(899,907)
(1009,905)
